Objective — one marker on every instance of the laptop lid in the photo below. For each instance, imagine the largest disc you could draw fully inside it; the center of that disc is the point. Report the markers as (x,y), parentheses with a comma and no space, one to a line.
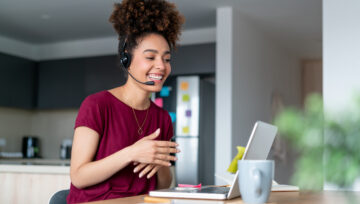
(258,148)
(260,141)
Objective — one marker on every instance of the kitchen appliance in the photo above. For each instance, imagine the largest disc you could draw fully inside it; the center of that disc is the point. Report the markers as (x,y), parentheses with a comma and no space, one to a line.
(30,147)
(192,101)
(65,149)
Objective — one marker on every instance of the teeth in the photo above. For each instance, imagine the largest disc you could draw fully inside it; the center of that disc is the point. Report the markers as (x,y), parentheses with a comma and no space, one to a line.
(154,76)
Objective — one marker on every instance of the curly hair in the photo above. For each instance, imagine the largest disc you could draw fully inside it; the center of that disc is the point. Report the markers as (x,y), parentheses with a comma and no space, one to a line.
(134,19)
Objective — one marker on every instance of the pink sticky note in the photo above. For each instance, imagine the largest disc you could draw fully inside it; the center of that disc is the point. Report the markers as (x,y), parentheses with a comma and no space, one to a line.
(159,102)
(189,185)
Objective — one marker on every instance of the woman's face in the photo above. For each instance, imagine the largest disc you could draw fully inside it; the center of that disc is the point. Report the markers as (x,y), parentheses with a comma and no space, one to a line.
(151,62)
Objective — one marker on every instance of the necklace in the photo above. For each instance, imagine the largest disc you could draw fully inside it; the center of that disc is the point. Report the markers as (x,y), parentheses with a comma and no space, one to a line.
(140,127)
(140,130)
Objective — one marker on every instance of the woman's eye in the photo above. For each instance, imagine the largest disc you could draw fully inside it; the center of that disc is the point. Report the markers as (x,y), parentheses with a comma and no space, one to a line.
(167,60)
(150,58)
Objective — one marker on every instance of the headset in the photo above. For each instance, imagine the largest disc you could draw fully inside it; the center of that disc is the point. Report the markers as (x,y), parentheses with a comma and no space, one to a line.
(125,61)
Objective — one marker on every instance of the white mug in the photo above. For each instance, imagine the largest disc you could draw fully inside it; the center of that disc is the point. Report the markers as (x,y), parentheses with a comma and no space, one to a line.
(255,180)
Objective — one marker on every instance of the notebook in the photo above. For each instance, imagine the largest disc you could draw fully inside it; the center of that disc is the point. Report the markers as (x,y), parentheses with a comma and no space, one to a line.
(258,147)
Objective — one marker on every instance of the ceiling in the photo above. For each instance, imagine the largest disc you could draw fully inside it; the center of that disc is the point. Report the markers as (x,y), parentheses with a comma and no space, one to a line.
(295,24)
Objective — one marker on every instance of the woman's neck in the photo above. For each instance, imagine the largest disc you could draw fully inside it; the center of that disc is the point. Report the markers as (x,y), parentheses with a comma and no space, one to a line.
(132,96)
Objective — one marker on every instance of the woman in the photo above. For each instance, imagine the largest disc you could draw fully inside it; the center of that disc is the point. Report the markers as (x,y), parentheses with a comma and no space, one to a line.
(121,141)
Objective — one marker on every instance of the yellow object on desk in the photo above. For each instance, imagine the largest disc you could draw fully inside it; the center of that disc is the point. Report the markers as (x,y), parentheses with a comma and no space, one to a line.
(148,199)
(234,164)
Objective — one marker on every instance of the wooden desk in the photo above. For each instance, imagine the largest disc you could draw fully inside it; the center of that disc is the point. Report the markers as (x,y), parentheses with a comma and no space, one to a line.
(324,197)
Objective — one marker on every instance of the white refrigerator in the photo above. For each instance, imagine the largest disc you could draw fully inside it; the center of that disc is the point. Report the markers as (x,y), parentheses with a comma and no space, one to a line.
(195,102)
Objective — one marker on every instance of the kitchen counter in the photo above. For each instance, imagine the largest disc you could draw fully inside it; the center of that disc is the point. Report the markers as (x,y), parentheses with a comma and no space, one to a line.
(45,166)
(32,180)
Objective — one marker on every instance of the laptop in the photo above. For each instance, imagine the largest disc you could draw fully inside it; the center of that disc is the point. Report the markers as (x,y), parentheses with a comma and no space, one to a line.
(258,147)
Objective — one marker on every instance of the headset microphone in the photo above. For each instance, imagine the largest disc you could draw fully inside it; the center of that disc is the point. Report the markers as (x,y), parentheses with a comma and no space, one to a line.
(151,83)
(125,60)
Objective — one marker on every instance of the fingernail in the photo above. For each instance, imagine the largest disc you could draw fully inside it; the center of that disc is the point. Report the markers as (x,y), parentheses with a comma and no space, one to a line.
(157,131)
(135,170)
(169,164)
(148,177)
(140,175)
(178,150)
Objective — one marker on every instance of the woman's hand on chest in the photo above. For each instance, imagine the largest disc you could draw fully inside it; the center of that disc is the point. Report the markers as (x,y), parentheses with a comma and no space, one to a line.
(151,151)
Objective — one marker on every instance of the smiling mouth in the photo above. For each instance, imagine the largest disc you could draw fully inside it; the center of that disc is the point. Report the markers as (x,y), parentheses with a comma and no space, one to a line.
(155,77)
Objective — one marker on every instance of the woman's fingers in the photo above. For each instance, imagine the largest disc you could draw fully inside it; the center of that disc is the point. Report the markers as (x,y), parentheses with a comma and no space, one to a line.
(153,171)
(150,170)
(146,170)
(148,151)
(165,157)
(165,143)
(167,150)
(139,167)
(161,162)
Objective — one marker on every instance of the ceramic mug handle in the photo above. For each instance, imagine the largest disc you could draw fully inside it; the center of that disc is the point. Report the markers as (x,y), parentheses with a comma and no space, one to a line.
(256,174)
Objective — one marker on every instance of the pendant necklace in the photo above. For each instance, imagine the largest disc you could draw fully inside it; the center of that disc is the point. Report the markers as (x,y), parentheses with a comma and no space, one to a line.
(140,130)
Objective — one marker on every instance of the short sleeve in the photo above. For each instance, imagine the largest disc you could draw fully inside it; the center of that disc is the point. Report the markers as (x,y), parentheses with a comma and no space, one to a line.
(90,116)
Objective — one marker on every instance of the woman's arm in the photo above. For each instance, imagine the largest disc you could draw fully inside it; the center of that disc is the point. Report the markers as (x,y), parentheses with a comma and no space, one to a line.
(164,177)
(83,169)
(85,172)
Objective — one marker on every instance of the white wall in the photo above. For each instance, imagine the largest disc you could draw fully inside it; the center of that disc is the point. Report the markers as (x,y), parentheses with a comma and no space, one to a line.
(341,54)
(250,68)
(223,91)
(261,68)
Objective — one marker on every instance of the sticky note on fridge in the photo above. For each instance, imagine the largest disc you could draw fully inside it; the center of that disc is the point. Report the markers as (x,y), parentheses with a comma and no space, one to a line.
(188,113)
(159,102)
(185,98)
(172,116)
(185,130)
(165,91)
(184,85)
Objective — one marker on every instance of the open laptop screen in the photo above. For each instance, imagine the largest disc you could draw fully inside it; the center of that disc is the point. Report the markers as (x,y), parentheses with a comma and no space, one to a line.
(260,141)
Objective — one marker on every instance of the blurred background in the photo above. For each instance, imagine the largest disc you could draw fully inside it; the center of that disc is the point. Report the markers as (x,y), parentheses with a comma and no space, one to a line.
(243,61)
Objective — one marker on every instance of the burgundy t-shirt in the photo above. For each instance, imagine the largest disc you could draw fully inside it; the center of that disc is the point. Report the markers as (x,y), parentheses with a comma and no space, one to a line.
(115,123)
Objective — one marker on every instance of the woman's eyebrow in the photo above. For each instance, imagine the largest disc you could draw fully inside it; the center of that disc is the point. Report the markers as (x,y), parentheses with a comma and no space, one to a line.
(155,51)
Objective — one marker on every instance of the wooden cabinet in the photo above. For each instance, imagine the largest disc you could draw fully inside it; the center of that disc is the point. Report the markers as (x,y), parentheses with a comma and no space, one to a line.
(64,83)
(194,59)
(17,82)
(102,73)
(61,84)
(32,184)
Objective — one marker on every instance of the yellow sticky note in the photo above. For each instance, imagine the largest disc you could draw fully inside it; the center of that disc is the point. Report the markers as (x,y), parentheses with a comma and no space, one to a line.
(184,86)
(148,199)
(233,165)
(185,97)
(186,129)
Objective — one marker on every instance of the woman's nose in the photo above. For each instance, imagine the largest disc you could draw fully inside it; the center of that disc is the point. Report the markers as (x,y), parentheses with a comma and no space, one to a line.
(160,64)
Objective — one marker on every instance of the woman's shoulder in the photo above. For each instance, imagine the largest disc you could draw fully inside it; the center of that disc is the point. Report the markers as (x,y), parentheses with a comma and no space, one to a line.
(98,98)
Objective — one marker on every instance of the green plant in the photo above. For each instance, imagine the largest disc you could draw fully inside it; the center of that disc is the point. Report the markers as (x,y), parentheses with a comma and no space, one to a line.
(335,157)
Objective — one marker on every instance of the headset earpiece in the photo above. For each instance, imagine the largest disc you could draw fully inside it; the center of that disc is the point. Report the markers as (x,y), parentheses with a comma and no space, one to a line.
(125,59)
